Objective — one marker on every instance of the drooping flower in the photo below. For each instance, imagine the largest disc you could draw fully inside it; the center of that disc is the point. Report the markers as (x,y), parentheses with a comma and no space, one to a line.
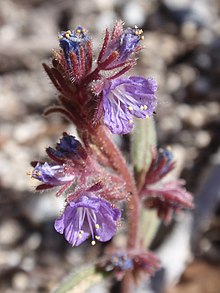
(124,98)
(166,196)
(88,215)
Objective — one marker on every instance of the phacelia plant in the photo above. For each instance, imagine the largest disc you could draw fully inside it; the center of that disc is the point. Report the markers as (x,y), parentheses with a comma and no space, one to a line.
(90,172)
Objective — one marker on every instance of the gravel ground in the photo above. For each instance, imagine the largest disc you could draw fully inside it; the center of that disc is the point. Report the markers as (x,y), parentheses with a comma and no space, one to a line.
(182,53)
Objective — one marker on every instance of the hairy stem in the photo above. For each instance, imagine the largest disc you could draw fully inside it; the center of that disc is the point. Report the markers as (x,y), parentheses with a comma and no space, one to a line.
(102,139)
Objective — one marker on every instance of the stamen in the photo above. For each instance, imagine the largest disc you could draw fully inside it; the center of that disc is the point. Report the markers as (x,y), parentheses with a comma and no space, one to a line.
(145,107)
(130,121)
(97,226)
(97,237)
(35,173)
(147,116)
(141,108)
(142,38)
(130,108)
(93,242)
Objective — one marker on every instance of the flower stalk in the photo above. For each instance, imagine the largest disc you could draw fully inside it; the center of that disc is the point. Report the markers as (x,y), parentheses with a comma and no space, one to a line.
(92,175)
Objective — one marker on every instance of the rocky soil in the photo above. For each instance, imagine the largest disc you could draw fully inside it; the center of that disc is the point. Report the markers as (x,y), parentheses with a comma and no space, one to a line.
(182,44)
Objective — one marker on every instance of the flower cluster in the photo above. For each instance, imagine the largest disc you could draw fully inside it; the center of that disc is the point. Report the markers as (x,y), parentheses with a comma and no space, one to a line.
(165,196)
(91,173)
(87,212)
(91,96)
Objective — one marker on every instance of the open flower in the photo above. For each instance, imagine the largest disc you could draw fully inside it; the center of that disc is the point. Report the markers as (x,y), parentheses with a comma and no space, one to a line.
(88,215)
(124,98)
(53,175)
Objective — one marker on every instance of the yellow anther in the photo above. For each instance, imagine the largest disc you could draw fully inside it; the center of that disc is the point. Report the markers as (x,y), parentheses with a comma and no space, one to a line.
(142,38)
(97,226)
(141,108)
(145,107)
(81,231)
(130,121)
(29,173)
(78,31)
(93,242)
(130,108)
(67,35)
(97,237)
(36,173)
(80,236)
(147,116)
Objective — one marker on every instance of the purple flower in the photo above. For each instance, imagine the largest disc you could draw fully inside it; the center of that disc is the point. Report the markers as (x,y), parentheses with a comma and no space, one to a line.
(124,98)
(122,262)
(117,49)
(70,41)
(137,262)
(88,215)
(68,148)
(53,175)
(162,163)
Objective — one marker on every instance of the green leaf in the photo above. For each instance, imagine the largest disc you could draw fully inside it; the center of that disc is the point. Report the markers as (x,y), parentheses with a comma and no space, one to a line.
(143,138)
(80,281)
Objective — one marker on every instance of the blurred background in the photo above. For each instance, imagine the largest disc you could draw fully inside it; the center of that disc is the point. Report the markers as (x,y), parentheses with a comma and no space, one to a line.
(182,45)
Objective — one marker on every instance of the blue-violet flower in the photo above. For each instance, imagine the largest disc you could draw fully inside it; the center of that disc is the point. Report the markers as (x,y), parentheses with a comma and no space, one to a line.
(70,41)
(53,175)
(88,215)
(68,148)
(122,43)
(127,97)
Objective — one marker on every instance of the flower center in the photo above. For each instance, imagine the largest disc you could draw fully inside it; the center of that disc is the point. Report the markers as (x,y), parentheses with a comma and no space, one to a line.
(92,223)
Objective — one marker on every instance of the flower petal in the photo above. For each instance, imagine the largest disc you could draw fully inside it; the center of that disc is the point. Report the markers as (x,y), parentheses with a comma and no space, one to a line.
(127,97)
(88,215)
